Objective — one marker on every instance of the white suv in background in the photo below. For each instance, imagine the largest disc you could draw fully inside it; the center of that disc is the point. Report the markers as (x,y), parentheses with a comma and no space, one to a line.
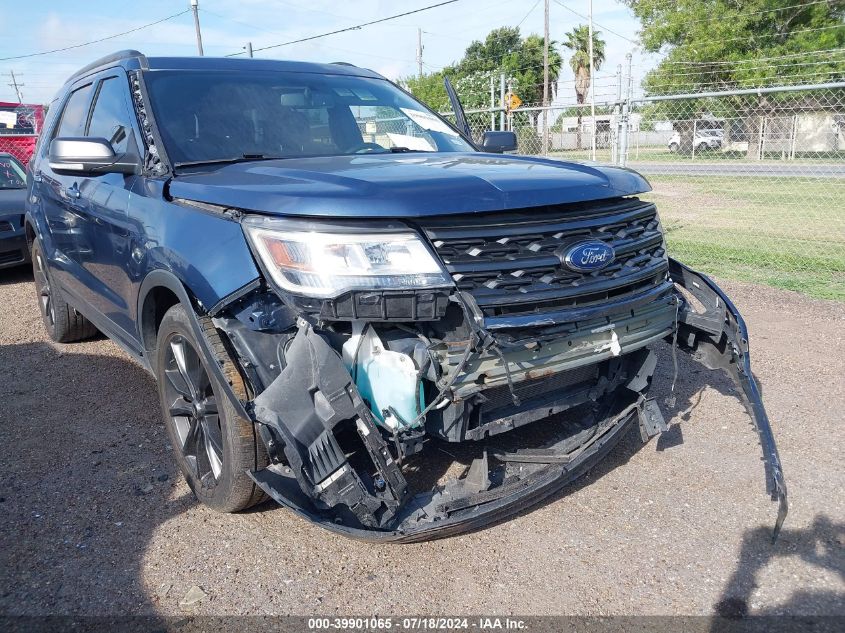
(704,140)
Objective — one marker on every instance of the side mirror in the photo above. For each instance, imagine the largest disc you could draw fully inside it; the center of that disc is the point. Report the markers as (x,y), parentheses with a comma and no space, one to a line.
(73,155)
(498,142)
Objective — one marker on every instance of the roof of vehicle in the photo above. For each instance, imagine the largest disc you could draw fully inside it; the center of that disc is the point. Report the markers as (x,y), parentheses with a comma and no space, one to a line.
(132,60)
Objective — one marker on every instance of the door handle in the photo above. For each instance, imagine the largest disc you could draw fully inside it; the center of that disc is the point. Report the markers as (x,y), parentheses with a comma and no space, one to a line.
(73,192)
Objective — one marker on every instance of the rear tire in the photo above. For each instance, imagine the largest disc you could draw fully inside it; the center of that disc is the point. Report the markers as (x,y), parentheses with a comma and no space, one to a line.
(214,446)
(674,147)
(62,322)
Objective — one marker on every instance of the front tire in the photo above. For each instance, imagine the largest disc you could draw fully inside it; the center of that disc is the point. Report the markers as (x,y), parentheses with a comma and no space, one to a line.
(674,147)
(214,446)
(62,322)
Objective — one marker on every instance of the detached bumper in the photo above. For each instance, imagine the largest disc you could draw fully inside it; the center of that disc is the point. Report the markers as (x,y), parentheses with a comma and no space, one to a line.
(718,338)
(503,503)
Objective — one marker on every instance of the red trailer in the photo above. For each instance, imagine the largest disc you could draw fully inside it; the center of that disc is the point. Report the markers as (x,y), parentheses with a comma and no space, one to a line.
(20,124)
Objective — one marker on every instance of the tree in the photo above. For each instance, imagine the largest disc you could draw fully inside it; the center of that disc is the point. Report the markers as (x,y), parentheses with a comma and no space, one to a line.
(726,44)
(578,41)
(502,51)
(429,89)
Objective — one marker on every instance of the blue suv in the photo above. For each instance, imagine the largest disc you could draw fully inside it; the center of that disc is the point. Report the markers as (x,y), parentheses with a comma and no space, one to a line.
(351,306)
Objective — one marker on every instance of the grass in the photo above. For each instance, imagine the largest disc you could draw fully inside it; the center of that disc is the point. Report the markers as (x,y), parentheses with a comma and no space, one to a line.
(785,232)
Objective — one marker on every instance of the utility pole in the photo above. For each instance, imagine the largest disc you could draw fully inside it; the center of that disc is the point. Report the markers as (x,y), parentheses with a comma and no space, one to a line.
(502,101)
(510,112)
(492,102)
(626,113)
(249,48)
(419,52)
(617,114)
(592,89)
(195,9)
(546,80)
(16,86)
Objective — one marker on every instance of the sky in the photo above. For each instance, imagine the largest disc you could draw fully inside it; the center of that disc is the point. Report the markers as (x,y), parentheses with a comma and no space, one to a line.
(388,48)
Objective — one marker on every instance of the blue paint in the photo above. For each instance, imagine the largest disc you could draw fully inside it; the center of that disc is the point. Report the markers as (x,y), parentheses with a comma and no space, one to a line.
(404,185)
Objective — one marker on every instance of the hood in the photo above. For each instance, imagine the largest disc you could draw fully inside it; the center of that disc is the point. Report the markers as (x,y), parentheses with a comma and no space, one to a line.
(403,185)
(12,201)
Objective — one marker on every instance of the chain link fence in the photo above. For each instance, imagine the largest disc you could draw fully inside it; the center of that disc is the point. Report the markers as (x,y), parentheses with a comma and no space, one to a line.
(19,128)
(750,184)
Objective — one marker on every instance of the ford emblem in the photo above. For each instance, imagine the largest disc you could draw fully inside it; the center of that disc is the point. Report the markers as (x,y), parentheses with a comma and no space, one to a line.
(585,257)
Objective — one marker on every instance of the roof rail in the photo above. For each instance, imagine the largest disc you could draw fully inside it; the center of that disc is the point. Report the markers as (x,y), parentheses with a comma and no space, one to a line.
(343,64)
(108,59)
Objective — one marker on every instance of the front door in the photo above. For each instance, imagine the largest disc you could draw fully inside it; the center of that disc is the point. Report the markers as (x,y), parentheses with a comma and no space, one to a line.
(102,241)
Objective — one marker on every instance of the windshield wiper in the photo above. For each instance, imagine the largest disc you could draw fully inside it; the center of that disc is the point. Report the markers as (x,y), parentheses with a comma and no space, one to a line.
(243,158)
(403,150)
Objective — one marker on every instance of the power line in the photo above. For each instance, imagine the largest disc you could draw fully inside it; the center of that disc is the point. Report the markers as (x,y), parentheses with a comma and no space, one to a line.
(102,39)
(601,26)
(794,64)
(333,48)
(530,11)
(756,36)
(755,59)
(745,14)
(349,28)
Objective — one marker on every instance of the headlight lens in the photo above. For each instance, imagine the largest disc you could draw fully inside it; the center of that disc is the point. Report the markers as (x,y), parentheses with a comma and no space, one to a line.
(327,264)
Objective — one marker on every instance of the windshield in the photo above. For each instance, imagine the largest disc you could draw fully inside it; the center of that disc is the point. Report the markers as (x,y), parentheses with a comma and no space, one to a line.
(12,175)
(210,116)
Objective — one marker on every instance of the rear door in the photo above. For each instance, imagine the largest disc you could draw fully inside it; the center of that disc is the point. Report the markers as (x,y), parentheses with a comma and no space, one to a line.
(57,196)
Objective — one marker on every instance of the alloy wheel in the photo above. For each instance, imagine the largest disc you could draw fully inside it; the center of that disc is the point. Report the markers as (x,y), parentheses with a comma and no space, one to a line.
(45,295)
(193,410)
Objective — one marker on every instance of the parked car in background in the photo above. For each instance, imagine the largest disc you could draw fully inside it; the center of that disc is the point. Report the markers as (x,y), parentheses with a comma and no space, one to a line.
(348,304)
(13,248)
(703,140)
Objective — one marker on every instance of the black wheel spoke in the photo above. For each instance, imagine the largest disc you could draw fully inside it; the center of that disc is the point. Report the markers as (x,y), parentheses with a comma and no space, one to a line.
(213,446)
(174,377)
(188,365)
(193,439)
(210,405)
(181,407)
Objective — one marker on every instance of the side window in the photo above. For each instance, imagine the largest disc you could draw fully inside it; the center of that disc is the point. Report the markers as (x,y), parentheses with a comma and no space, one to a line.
(110,118)
(75,114)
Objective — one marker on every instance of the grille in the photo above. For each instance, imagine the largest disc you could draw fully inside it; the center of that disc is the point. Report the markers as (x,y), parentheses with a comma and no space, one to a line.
(508,260)
(6,227)
(527,390)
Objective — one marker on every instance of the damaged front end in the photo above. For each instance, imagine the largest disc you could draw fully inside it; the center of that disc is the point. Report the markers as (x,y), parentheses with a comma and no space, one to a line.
(403,414)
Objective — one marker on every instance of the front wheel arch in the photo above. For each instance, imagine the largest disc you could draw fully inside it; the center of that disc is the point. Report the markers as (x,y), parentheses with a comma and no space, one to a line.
(164,286)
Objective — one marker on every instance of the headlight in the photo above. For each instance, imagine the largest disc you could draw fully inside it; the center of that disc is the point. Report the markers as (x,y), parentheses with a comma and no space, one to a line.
(327,263)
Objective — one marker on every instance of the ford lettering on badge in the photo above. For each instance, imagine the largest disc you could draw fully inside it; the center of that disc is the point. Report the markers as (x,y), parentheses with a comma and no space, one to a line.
(586,257)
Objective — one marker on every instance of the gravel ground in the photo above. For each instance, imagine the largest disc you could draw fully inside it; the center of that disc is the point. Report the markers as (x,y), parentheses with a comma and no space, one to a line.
(95,520)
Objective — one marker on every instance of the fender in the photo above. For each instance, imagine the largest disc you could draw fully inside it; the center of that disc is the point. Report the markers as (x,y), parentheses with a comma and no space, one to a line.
(718,339)
(31,219)
(165,279)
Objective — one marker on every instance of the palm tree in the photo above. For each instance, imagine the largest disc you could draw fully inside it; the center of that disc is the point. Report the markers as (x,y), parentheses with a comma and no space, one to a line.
(578,41)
